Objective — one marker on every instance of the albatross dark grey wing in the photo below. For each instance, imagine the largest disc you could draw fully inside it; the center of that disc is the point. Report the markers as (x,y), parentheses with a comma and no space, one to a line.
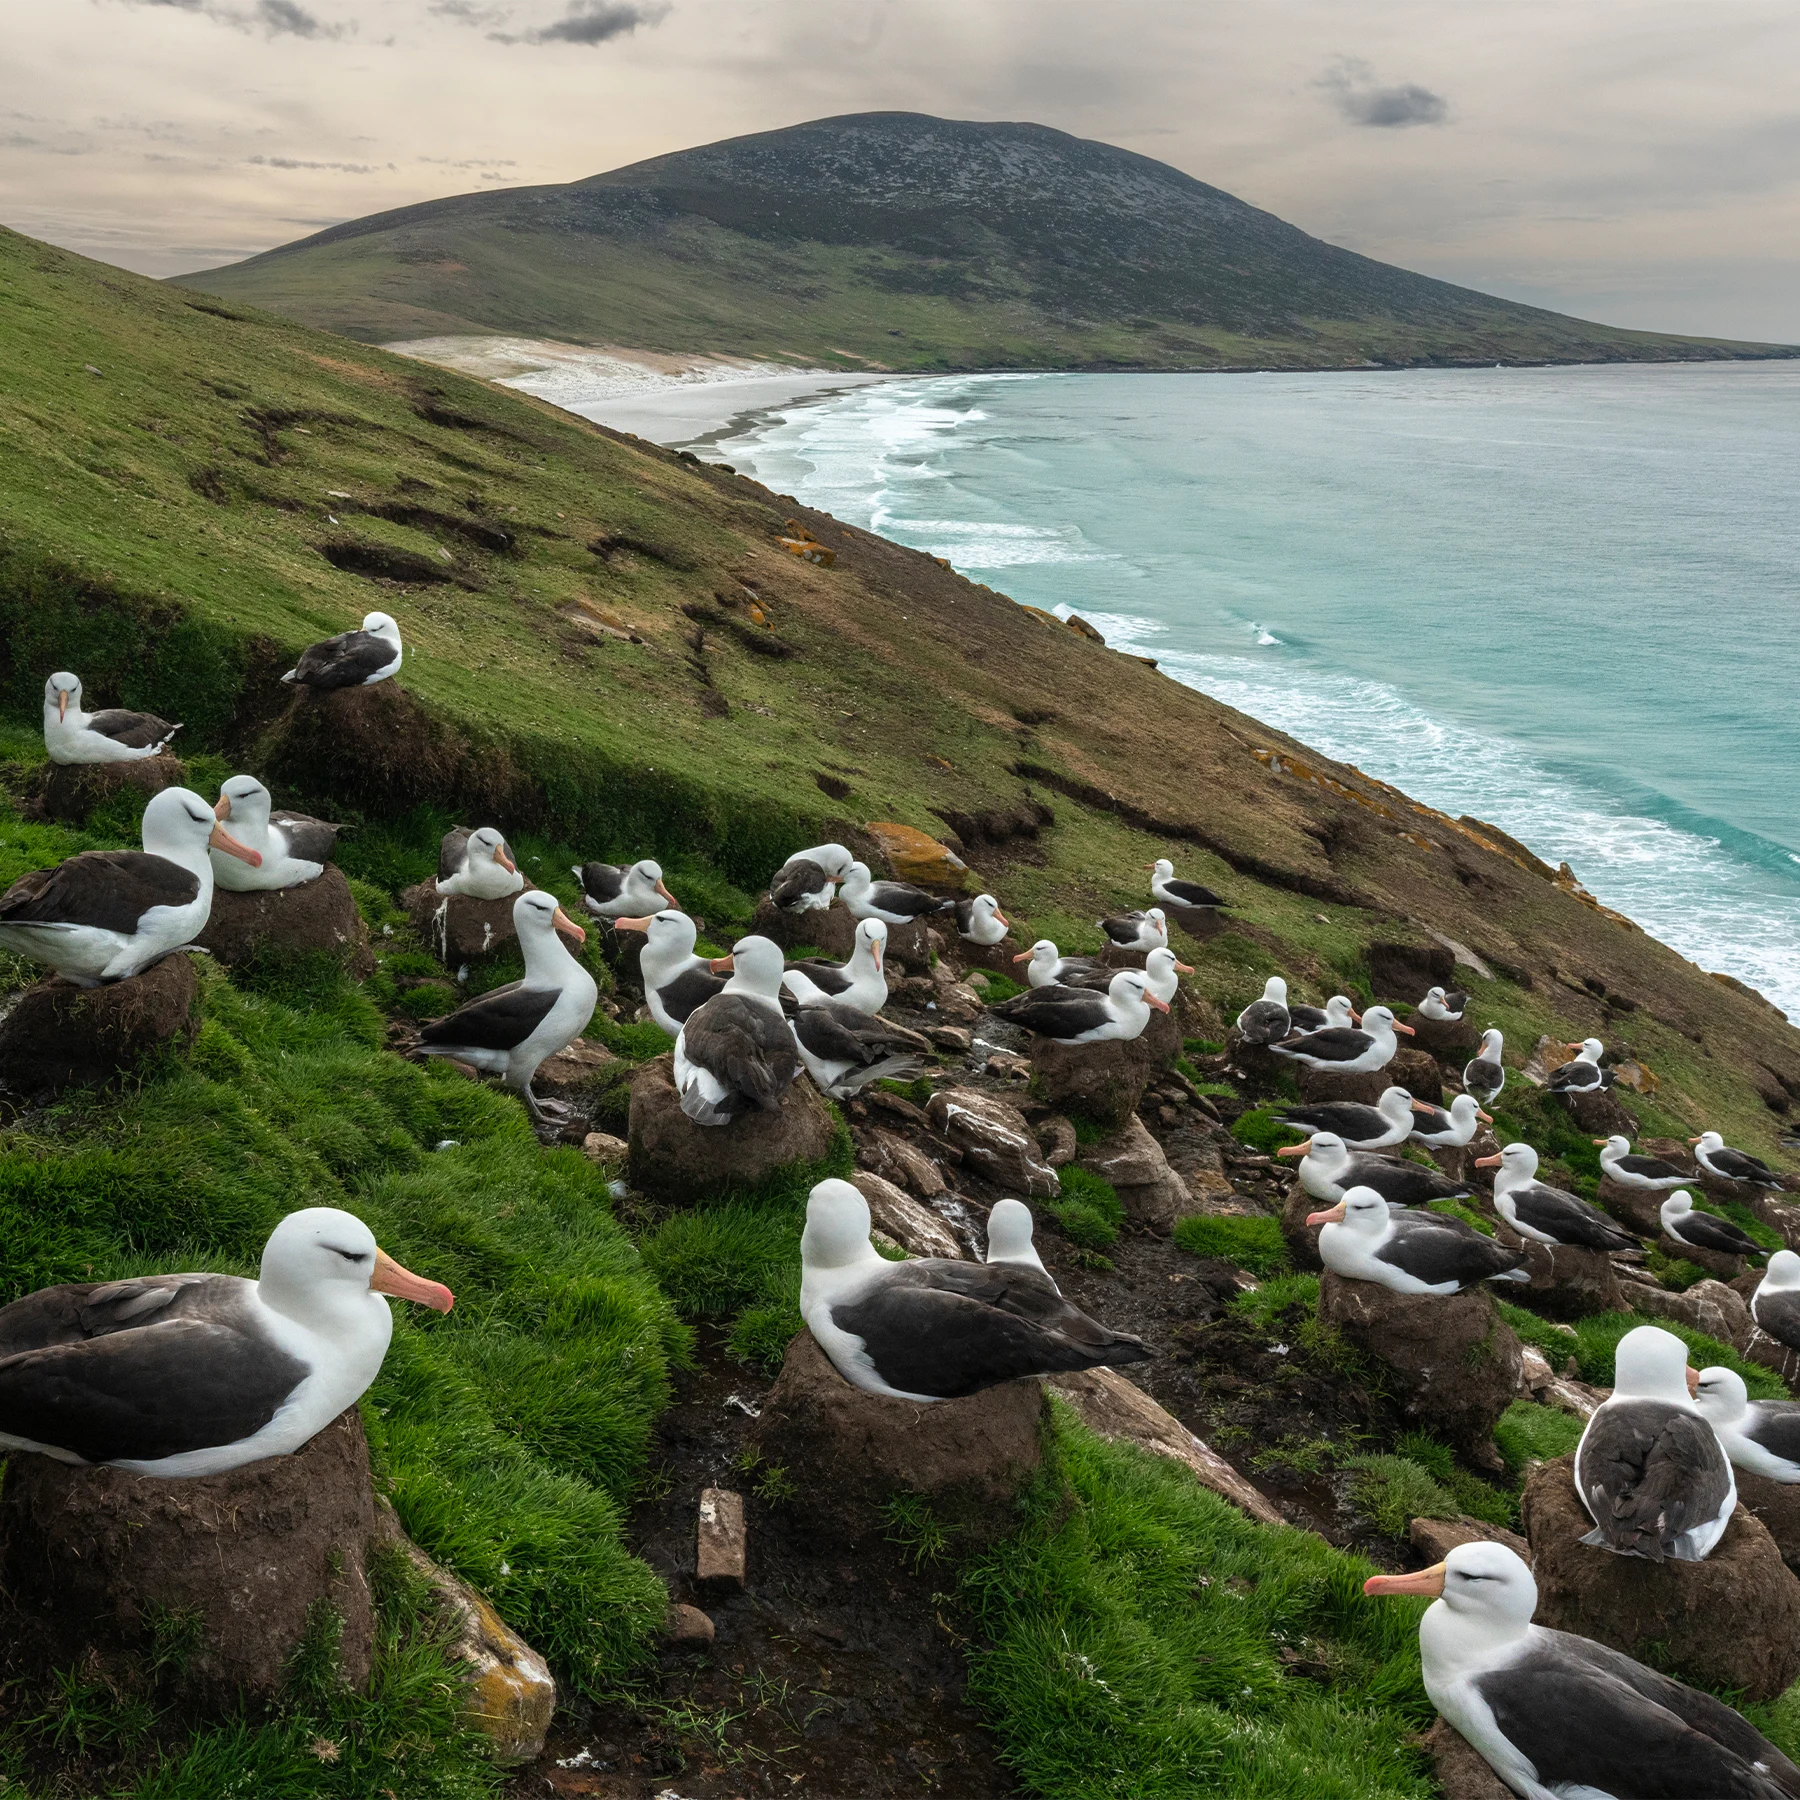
(135,730)
(1647,1471)
(1775,1424)
(1436,1249)
(347,660)
(453,850)
(501,1019)
(797,881)
(1706,1231)
(909,902)
(1337,1043)
(1569,1219)
(110,890)
(1191,893)
(1055,1011)
(1740,1165)
(837,1033)
(745,1045)
(308,839)
(690,990)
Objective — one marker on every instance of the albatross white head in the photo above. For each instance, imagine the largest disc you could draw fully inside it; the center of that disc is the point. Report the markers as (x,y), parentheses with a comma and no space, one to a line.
(62,696)
(179,825)
(870,945)
(1483,1597)
(1379,1021)
(1721,1395)
(1493,1042)
(1339,1012)
(1009,1236)
(1781,1274)
(1275,988)
(1132,1000)
(1161,967)
(1589,1050)
(1043,957)
(669,938)
(1517,1165)
(1652,1364)
(836,1237)
(539,920)
(756,969)
(245,804)
(1362,1212)
(488,846)
(1158,921)
(379,624)
(323,1269)
(1325,1155)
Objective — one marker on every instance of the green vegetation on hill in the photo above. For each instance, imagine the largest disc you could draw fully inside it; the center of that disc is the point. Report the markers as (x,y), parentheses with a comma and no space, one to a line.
(899,241)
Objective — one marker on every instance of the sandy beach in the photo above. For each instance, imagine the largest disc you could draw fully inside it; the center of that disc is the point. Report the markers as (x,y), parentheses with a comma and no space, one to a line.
(672,400)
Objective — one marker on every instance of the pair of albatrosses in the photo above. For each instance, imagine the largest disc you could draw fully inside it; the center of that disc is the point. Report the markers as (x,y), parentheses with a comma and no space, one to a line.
(934,1328)
(804,882)
(187,1375)
(1560,1717)
(105,915)
(1329,1169)
(1349,1050)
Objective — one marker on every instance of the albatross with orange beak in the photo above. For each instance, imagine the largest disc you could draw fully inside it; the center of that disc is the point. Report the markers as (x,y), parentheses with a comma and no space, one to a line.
(676,980)
(623,891)
(186,1375)
(108,914)
(981,921)
(477,864)
(1079,1016)
(1350,1050)
(510,1031)
(111,735)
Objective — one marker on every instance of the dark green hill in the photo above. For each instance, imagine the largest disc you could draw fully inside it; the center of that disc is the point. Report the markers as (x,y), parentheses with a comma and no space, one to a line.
(901,241)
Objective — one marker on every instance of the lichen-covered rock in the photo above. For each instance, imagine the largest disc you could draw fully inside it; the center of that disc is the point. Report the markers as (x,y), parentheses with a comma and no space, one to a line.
(317,915)
(1451,1360)
(672,1158)
(1132,1161)
(73,792)
(918,858)
(1103,1082)
(902,1163)
(89,1555)
(60,1035)
(850,1452)
(995,1141)
(1690,1617)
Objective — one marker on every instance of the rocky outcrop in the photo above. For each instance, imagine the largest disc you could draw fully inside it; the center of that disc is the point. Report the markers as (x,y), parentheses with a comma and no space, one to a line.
(1687,1616)
(1567,1281)
(1103,1082)
(317,915)
(916,857)
(1450,1043)
(1132,1161)
(1302,1238)
(73,792)
(995,1141)
(1717,1263)
(88,1556)
(1408,972)
(1600,1113)
(1434,1539)
(672,1158)
(1638,1208)
(59,1035)
(850,1451)
(1449,1359)
(915,1228)
(1414,1070)
(901,1163)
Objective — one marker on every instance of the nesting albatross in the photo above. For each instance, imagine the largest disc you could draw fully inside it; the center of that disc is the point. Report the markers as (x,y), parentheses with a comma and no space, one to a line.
(1731,1165)
(108,914)
(1080,1016)
(622,890)
(1364,1239)
(1544,1214)
(736,1052)
(1584,1072)
(1687,1224)
(1775,1306)
(1350,1050)
(294,848)
(1050,968)
(934,1328)
(1329,1170)
(1389,1121)
(1267,1020)
(1136,930)
(110,735)
(1762,1436)
(676,980)
(477,864)
(804,882)
(859,981)
(1485,1074)
(186,1375)
(892,902)
(357,658)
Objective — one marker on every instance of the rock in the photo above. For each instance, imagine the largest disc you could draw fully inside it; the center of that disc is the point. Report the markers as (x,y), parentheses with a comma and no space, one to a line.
(510,1696)
(1133,1162)
(317,915)
(1003,1065)
(830,931)
(995,958)
(1462,1771)
(1688,1617)
(458,928)
(1768,1353)
(1418,1072)
(954,1038)
(1103,1082)
(1115,1408)
(1434,1539)
(75,791)
(850,1452)
(995,1141)
(915,857)
(688,1628)
(1548,1388)
(1056,1138)
(1718,1263)
(603,1147)
(576,1066)
(1451,1044)
(1567,1281)
(1319,1087)
(721,1540)
(1777,1505)
(60,1035)
(1195,1155)
(1598,1112)
(86,1553)
(1455,1365)
(672,1158)
(1408,972)
(903,1163)
(1781,1217)
(915,1228)
(1639,1208)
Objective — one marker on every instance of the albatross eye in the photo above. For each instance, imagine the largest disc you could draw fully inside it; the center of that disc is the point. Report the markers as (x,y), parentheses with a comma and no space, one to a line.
(351,1256)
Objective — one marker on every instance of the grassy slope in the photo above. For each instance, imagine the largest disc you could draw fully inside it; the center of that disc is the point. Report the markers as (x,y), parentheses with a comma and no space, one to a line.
(702,287)
(920,692)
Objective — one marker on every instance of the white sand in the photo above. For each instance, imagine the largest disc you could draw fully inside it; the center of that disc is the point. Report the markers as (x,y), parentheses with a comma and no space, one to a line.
(673,400)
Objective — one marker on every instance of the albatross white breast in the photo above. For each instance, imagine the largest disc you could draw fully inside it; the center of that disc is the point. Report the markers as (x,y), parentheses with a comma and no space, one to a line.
(1545,1214)
(294,848)
(981,921)
(676,980)
(1351,1050)
(934,1328)
(108,914)
(1364,1239)
(186,1375)
(111,735)
(357,658)
(1080,1016)
(1560,1717)
(859,981)
(477,864)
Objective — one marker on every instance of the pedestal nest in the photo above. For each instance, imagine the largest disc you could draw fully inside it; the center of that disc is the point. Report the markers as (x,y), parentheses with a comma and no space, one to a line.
(849,1452)
(60,1035)
(1450,1360)
(831,932)
(1732,1621)
(460,929)
(318,915)
(674,1159)
(1103,1082)
(73,792)
(1567,1281)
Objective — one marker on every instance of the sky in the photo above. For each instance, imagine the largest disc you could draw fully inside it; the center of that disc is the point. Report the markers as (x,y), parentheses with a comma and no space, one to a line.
(1636,161)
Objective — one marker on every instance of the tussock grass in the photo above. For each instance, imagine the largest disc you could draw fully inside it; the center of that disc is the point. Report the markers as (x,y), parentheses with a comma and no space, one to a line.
(1089,1211)
(1255,1244)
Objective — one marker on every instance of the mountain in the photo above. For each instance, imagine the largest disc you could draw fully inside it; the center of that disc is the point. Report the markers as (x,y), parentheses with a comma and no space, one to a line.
(895,240)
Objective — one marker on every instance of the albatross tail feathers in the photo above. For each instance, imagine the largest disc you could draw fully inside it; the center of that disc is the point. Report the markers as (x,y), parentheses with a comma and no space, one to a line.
(901,1067)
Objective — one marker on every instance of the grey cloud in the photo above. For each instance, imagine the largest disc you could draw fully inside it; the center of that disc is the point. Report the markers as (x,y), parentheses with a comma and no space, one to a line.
(596,24)
(1365,101)
(339,168)
(279,18)
(467,12)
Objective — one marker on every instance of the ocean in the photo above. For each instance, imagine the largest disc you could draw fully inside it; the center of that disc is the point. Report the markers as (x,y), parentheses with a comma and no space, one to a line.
(1564,600)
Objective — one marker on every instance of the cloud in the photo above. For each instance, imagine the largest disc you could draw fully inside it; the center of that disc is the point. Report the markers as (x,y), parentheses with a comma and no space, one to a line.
(339,168)
(1365,101)
(278,18)
(595,24)
(467,12)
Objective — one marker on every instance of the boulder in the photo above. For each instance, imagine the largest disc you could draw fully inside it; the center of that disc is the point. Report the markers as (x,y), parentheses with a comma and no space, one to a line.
(59,1035)
(509,1695)
(1462,1771)
(458,928)
(1418,1072)
(1717,1263)
(1056,1138)
(1567,1281)
(849,1452)
(1133,1162)
(577,1066)
(916,857)
(1769,1353)
(1103,1082)
(996,958)
(995,1141)
(672,1158)
(1414,1070)
(73,792)
(915,1228)
(902,1163)
(89,1555)
(1408,972)
(1600,1113)
(1450,1360)
(1688,1617)
(1777,1505)
(317,915)
(1195,1155)
(1434,1539)
(1781,1217)
(603,1147)
(1638,1208)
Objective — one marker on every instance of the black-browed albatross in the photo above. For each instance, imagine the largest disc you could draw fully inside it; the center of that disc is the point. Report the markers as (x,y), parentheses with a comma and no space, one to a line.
(844,1049)
(859,981)
(735,1052)
(1362,1238)
(294,847)
(981,921)
(935,1328)
(1447,1128)
(1646,1173)
(1329,1169)
(1775,1306)
(357,658)
(1762,1436)
(623,890)
(892,902)
(1167,891)
(1080,1016)
(113,734)
(1544,1214)
(1688,1224)
(477,864)
(804,882)
(676,979)
(1388,1122)
(1267,1020)
(1050,968)
(1136,930)
(1583,1072)
(186,1375)
(1731,1165)
(1484,1075)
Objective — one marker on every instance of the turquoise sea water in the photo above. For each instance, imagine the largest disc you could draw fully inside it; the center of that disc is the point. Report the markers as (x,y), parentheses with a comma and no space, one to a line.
(1567,601)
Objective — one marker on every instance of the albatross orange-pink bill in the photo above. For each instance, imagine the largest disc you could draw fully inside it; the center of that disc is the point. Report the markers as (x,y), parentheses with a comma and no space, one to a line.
(1426,1582)
(221,839)
(568,927)
(403,1284)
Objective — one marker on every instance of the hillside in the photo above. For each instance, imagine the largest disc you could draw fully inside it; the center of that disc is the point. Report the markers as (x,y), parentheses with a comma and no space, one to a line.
(189,492)
(899,241)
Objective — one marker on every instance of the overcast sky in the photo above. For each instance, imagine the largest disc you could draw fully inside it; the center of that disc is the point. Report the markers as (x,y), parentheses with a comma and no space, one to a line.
(1636,161)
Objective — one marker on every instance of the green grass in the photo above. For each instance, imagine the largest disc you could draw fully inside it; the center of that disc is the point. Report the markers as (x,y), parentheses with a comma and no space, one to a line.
(1255,1244)
(1527,1432)
(1088,1212)
(1261,1131)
